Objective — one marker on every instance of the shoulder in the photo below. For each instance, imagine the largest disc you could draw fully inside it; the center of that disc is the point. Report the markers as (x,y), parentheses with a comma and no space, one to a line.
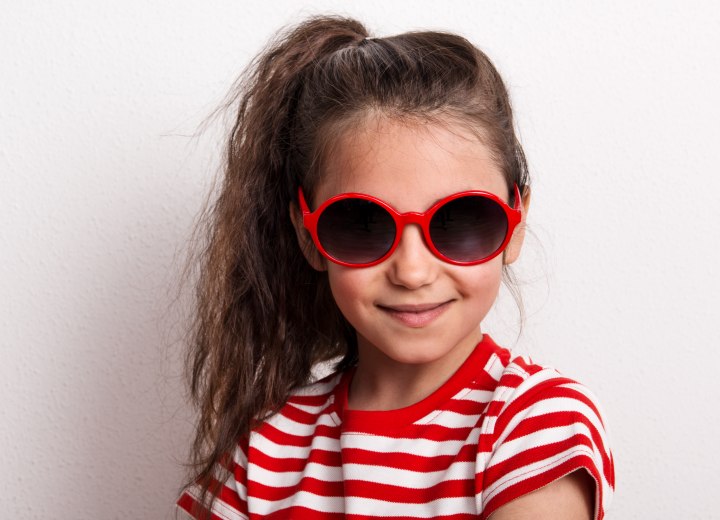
(312,399)
(283,435)
(525,388)
(309,411)
(540,427)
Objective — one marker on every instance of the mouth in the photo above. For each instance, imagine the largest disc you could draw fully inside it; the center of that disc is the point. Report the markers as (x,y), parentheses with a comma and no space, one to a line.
(416,316)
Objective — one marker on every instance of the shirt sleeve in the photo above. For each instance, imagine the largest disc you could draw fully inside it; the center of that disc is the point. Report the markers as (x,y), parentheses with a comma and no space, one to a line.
(231,501)
(548,427)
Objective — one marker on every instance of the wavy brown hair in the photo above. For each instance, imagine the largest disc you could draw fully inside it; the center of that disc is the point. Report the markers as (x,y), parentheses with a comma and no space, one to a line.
(263,316)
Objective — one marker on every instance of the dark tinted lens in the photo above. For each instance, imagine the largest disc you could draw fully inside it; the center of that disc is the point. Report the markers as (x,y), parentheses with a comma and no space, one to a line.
(469,228)
(356,231)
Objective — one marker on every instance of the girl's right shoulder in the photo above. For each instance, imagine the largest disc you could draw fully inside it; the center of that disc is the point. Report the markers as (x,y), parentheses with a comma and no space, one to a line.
(306,405)
(323,385)
(287,433)
(318,393)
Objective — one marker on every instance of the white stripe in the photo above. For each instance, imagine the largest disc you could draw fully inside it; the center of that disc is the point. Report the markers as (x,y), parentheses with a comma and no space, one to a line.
(494,367)
(311,409)
(407,478)
(233,483)
(291,478)
(433,509)
(421,447)
(450,419)
(239,457)
(318,388)
(478,396)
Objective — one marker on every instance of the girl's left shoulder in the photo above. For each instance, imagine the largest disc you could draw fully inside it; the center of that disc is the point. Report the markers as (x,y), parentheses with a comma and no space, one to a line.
(523,383)
(540,426)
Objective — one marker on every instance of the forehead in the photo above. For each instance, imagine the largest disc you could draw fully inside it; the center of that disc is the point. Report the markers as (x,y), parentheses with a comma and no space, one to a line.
(409,165)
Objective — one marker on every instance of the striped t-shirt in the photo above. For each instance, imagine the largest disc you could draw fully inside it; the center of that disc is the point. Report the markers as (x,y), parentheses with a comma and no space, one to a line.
(499,428)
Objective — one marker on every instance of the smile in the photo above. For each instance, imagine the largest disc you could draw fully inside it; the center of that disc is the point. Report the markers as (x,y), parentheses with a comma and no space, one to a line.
(416,316)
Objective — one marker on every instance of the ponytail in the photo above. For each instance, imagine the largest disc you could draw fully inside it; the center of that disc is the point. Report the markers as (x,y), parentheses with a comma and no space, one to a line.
(264,317)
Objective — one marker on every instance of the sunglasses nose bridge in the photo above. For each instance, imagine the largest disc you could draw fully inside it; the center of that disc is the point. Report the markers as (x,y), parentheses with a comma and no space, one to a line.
(412,217)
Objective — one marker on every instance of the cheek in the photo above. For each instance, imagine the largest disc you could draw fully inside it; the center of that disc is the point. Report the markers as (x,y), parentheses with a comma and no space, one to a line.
(484,273)
(481,283)
(349,287)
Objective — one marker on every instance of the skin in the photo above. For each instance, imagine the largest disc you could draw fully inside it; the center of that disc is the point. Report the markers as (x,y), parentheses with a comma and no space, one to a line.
(569,498)
(411,166)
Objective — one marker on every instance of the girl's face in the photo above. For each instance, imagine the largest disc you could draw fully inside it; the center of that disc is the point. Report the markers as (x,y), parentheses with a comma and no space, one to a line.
(413,308)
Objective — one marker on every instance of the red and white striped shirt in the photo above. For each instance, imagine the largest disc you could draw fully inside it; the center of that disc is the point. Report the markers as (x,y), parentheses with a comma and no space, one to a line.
(497,429)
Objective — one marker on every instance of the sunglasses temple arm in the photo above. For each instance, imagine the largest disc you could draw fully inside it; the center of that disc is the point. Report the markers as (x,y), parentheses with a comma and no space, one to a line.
(303,204)
(518,199)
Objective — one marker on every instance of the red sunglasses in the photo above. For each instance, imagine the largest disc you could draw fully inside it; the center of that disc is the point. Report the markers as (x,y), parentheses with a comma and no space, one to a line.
(357,230)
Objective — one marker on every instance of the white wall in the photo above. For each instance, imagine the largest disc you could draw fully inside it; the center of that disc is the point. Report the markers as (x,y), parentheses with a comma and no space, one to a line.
(618,105)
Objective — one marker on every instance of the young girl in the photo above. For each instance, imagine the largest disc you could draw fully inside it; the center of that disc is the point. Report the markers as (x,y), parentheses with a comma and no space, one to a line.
(374,194)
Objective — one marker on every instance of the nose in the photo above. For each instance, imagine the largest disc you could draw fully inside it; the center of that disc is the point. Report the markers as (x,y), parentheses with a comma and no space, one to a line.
(412,264)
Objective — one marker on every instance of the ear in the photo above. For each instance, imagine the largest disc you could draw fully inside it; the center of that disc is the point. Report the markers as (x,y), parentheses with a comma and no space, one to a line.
(309,251)
(512,251)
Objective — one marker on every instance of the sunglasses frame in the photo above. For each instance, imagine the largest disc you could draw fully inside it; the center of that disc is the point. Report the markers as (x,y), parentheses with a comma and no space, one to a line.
(310,221)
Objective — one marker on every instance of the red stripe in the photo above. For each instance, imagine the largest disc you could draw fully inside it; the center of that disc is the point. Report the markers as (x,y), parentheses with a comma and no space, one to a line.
(280,464)
(531,456)
(407,460)
(553,419)
(309,484)
(465,406)
(403,495)
(511,380)
(283,438)
(530,368)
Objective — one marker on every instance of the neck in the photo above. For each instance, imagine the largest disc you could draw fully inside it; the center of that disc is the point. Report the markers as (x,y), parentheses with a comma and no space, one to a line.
(381,383)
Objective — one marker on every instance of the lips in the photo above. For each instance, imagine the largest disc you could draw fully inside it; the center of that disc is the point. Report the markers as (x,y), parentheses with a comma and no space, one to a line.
(417,315)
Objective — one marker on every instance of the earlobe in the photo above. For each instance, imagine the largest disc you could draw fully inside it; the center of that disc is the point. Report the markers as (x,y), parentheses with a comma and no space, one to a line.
(512,251)
(309,251)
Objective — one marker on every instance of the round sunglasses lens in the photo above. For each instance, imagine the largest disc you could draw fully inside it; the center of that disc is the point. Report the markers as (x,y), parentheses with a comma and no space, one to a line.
(356,231)
(469,229)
